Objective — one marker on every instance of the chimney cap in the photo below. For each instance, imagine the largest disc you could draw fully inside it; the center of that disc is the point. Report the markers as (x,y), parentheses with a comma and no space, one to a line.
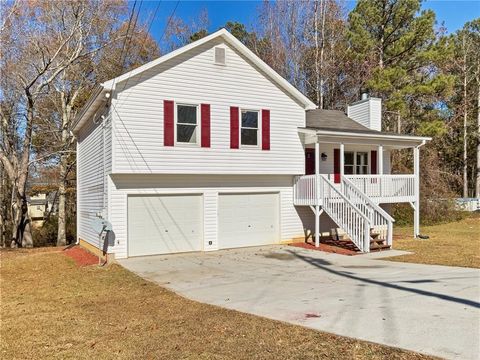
(364,94)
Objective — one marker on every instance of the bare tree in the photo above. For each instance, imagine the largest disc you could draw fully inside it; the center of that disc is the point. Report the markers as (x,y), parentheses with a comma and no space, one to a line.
(40,41)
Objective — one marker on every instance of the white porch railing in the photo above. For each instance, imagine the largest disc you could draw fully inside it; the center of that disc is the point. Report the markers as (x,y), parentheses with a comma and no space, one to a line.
(380,221)
(345,214)
(386,188)
(305,190)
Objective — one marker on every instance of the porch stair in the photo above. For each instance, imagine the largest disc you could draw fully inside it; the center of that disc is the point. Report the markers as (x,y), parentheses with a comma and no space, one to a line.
(366,224)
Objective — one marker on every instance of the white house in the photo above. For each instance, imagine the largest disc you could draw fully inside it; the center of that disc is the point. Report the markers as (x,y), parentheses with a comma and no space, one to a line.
(208,148)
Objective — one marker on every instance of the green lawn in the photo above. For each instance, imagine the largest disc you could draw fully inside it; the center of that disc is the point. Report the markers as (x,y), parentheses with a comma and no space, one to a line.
(50,308)
(453,244)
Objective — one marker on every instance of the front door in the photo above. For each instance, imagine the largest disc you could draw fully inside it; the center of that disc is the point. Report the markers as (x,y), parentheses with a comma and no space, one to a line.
(309,161)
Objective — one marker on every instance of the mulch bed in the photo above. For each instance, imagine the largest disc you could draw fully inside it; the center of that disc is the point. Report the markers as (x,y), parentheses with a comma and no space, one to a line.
(81,256)
(330,245)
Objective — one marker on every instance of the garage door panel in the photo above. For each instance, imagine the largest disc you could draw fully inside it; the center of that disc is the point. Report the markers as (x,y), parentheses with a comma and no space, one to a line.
(164,224)
(248,219)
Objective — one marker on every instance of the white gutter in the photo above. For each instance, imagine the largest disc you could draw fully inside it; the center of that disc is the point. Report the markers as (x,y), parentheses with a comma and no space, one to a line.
(355,135)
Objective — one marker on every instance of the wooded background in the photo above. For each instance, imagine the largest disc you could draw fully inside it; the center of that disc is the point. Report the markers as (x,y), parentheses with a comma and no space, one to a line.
(54,52)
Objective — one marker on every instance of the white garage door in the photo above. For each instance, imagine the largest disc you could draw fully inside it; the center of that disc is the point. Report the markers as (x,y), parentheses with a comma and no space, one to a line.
(248,220)
(164,224)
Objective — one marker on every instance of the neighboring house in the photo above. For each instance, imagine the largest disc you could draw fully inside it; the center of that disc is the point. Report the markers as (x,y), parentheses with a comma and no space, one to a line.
(37,206)
(41,204)
(208,148)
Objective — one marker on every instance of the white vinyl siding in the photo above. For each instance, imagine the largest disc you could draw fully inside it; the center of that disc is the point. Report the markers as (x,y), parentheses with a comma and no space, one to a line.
(211,187)
(367,112)
(94,162)
(193,78)
(326,167)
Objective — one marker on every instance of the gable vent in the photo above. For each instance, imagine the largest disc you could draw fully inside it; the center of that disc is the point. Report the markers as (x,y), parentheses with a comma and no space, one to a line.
(220,56)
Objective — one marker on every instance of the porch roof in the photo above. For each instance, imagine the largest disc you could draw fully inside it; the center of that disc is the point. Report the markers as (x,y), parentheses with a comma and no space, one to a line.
(354,137)
(332,126)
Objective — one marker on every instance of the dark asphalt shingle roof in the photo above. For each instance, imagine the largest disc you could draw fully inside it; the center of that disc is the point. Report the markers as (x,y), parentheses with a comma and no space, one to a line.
(334,120)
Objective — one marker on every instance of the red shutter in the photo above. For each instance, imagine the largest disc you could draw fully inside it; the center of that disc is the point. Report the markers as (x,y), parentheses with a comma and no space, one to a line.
(234,135)
(205,124)
(336,165)
(168,130)
(265,129)
(373,162)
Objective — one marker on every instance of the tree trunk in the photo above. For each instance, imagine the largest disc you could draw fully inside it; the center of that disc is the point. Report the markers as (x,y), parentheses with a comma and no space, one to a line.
(62,199)
(465,123)
(477,184)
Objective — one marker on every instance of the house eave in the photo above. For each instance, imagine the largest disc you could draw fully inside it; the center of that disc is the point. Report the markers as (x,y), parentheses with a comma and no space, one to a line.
(98,97)
(373,138)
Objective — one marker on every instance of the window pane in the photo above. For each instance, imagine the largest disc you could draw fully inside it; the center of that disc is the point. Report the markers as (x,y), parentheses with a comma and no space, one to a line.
(186,133)
(249,137)
(348,169)
(250,119)
(362,169)
(348,158)
(362,158)
(186,114)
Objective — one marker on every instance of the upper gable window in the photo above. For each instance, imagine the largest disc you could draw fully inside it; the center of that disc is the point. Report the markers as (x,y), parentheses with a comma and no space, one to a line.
(249,130)
(220,55)
(187,124)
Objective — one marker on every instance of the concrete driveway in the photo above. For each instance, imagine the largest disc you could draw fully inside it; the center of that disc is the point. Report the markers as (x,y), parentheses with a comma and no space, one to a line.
(429,309)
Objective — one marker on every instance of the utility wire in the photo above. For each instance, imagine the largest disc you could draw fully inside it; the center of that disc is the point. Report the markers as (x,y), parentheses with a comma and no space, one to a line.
(161,38)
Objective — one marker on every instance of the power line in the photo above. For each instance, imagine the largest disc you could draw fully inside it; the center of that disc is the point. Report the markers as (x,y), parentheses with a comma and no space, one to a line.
(122,59)
(161,38)
(146,34)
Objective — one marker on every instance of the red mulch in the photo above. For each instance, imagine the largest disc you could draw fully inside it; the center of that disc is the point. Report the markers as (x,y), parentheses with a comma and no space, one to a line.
(332,246)
(81,256)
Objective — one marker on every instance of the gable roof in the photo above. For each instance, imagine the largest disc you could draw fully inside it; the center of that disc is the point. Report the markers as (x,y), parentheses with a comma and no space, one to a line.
(103,89)
(237,45)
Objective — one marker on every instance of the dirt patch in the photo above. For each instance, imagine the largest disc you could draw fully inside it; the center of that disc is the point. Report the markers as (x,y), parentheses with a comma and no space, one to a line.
(81,256)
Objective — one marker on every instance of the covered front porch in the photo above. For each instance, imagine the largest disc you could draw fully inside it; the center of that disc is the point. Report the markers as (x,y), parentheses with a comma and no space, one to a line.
(348,175)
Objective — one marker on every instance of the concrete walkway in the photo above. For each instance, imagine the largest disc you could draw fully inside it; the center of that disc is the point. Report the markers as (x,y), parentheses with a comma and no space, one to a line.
(429,309)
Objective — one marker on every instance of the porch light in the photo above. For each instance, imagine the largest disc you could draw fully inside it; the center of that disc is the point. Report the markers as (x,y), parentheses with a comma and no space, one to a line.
(323,157)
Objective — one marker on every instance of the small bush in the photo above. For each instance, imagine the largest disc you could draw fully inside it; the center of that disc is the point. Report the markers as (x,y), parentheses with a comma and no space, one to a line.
(432,212)
(46,235)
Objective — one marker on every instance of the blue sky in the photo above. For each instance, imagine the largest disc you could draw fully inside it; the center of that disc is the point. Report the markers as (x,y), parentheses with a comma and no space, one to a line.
(454,13)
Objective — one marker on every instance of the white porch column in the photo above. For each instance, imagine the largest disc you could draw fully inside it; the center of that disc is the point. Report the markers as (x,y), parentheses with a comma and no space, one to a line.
(342,160)
(416,171)
(380,159)
(380,168)
(317,203)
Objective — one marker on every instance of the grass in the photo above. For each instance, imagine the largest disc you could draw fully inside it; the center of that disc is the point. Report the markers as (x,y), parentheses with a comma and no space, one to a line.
(50,308)
(452,244)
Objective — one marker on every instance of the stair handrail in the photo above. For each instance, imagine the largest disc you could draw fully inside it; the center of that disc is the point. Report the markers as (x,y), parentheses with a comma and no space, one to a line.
(362,241)
(348,185)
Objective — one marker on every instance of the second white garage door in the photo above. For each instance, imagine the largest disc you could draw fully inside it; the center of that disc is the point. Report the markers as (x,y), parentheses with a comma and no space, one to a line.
(164,224)
(248,220)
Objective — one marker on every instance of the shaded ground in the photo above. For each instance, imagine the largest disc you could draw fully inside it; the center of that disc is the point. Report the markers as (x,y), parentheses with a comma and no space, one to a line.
(50,308)
(452,244)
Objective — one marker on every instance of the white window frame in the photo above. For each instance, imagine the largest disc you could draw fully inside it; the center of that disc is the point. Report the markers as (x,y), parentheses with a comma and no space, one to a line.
(199,128)
(259,124)
(354,152)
